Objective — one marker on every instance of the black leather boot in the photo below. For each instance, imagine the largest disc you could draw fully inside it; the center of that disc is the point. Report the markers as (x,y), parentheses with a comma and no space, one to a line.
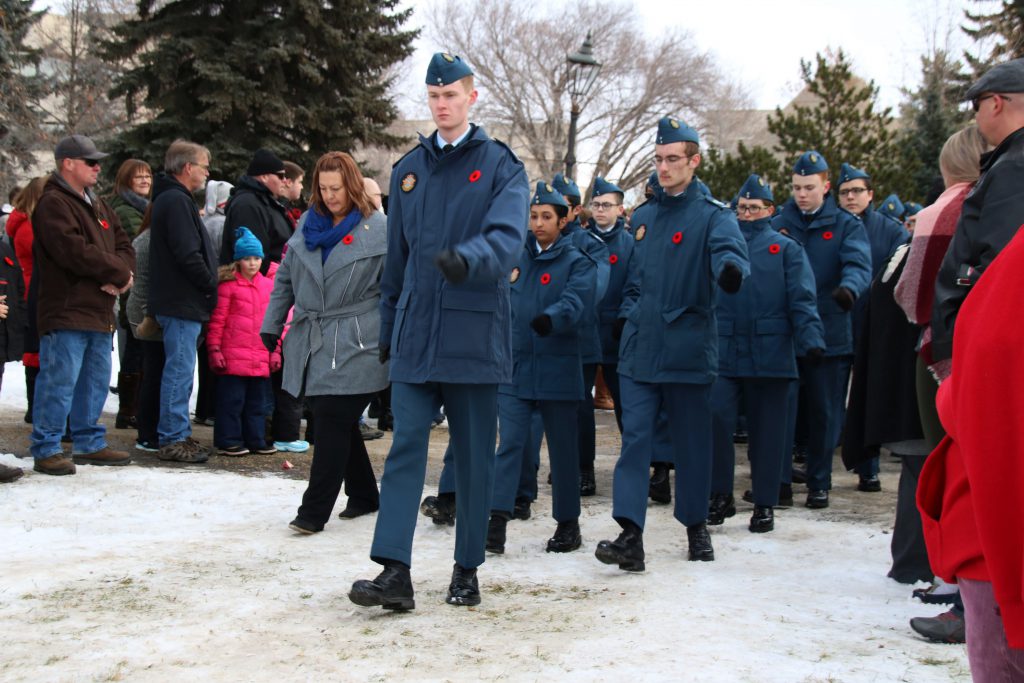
(392,589)
(720,506)
(588,484)
(763,520)
(627,550)
(521,509)
(440,508)
(496,526)
(700,543)
(660,490)
(567,537)
(464,589)
(816,500)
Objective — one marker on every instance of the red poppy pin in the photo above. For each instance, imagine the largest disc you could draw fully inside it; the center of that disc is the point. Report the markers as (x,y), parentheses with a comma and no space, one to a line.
(827,235)
(677,238)
(774,249)
(347,239)
(613,259)
(474,176)
(8,261)
(545,279)
(105,224)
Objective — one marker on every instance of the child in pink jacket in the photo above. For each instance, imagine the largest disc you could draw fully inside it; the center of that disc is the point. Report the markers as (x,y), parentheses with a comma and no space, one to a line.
(237,354)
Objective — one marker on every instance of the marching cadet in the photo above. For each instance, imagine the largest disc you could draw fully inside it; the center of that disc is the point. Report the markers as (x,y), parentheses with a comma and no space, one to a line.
(837,247)
(687,246)
(885,234)
(892,207)
(456,225)
(553,286)
(761,330)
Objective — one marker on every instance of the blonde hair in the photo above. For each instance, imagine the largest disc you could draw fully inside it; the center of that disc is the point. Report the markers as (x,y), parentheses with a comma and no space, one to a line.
(960,158)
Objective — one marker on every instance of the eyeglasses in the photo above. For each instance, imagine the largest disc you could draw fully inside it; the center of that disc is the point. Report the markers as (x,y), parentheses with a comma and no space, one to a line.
(855,191)
(976,102)
(142,177)
(740,210)
(91,163)
(205,167)
(671,160)
(603,206)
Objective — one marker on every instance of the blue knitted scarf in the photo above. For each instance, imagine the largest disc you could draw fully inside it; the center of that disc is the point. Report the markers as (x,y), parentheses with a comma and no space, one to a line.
(319,233)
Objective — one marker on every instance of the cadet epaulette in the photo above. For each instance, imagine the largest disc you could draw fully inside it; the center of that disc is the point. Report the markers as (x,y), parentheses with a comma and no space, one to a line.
(402,158)
(509,149)
(721,205)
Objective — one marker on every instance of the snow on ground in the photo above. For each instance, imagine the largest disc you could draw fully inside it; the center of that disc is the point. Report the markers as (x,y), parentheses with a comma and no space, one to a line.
(153,574)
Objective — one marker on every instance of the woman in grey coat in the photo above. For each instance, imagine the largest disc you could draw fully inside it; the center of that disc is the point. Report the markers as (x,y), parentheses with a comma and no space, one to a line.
(331,275)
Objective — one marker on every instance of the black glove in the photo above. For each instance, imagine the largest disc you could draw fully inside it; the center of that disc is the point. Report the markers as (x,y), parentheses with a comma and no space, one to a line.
(843,297)
(620,324)
(542,324)
(383,353)
(452,265)
(269,341)
(814,356)
(730,279)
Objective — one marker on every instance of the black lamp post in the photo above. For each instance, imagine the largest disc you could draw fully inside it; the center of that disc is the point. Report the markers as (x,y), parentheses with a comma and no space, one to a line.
(583,69)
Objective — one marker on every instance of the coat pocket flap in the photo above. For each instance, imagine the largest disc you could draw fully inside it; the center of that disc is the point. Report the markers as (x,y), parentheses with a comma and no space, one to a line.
(485,302)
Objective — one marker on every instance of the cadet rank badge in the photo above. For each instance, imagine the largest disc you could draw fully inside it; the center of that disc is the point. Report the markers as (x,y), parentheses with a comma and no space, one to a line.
(514,276)
(408,182)
(641,232)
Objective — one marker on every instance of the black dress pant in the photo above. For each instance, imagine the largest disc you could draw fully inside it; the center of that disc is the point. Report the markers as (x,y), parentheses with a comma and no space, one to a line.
(339,456)
(148,412)
(286,419)
(909,554)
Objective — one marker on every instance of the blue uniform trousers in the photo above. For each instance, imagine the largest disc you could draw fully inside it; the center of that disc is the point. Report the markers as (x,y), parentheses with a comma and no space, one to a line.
(515,430)
(822,388)
(687,409)
(765,402)
(531,458)
(661,446)
(472,411)
(610,371)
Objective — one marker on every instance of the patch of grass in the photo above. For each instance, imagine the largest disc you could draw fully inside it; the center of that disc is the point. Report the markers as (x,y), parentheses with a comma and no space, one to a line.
(55,658)
(934,661)
(305,596)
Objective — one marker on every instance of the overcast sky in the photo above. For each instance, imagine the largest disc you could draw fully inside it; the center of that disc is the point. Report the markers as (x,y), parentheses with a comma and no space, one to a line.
(760,43)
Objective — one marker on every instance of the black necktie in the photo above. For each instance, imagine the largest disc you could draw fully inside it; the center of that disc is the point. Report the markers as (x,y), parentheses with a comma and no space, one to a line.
(447,148)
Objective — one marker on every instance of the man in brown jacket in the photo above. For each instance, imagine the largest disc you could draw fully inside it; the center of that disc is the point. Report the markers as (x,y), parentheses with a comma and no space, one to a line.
(83,260)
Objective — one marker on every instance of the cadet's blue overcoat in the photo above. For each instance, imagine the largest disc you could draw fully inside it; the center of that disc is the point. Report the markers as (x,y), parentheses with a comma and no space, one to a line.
(595,249)
(774,316)
(474,200)
(682,245)
(620,253)
(837,246)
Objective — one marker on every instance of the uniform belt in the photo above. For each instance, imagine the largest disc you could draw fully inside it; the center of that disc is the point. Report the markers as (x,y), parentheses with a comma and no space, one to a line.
(315,317)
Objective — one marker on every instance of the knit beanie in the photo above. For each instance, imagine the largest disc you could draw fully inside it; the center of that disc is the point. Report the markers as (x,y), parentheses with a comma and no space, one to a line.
(246,244)
(264,161)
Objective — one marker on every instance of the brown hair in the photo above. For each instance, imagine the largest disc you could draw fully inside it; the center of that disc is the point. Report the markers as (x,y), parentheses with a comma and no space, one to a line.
(292,171)
(29,195)
(351,180)
(960,158)
(126,173)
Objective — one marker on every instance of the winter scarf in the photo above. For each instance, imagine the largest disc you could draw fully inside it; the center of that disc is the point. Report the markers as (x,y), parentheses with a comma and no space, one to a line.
(319,233)
(135,200)
(915,292)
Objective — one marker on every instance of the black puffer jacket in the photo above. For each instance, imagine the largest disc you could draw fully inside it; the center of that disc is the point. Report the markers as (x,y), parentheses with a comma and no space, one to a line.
(12,284)
(182,265)
(252,205)
(992,214)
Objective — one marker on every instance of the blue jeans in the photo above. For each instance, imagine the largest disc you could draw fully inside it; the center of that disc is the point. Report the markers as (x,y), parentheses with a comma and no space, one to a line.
(180,337)
(73,381)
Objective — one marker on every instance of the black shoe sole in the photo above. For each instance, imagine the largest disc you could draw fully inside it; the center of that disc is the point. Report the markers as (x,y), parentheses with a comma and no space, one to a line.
(814,505)
(703,557)
(761,528)
(495,549)
(587,492)
(559,548)
(873,487)
(348,513)
(716,520)
(609,556)
(663,500)
(374,600)
(462,601)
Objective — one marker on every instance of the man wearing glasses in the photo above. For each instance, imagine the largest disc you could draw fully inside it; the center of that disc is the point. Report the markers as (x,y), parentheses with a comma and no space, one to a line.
(84,260)
(254,204)
(994,209)
(688,246)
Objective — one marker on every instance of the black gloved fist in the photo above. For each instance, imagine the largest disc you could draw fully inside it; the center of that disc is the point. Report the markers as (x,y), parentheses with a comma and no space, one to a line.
(452,265)
(542,324)
(814,356)
(730,278)
(269,341)
(383,353)
(843,297)
(620,324)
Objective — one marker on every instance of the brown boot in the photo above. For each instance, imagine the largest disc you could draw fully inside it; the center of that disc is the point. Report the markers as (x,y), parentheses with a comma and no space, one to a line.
(9,474)
(56,465)
(104,456)
(602,397)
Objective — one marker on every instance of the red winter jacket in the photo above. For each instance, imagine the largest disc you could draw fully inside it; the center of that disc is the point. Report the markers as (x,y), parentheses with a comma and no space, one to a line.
(235,325)
(971,486)
(19,229)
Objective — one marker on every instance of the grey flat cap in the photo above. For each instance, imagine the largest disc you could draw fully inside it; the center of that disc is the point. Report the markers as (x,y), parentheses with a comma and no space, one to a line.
(77,147)
(1005,77)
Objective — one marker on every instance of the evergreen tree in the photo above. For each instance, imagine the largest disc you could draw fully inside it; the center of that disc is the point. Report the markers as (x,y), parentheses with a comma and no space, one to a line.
(299,77)
(843,125)
(21,87)
(932,114)
(725,173)
(1002,28)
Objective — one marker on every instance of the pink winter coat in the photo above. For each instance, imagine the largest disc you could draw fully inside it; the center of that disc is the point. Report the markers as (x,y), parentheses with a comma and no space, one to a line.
(235,325)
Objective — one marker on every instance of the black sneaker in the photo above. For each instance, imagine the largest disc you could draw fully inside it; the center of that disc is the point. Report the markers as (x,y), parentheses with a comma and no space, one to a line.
(233,450)
(948,627)
(263,450)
